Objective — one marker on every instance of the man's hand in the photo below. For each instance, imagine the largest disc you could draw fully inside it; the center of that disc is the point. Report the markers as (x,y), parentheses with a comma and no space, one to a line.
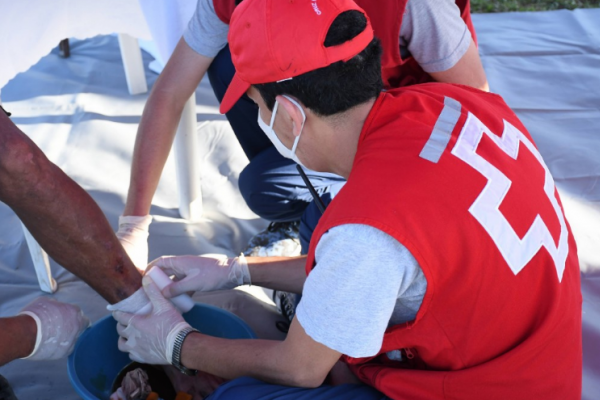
(202,273)
(133,235)
(58,327)
(149,338)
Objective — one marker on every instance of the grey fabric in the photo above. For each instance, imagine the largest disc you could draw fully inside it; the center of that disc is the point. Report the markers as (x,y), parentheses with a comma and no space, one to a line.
(364,281)
(434,34)
(206,34)
(442,131)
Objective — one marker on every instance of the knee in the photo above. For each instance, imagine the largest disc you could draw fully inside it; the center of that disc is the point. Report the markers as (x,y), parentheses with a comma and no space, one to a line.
(268,198)
(252,191)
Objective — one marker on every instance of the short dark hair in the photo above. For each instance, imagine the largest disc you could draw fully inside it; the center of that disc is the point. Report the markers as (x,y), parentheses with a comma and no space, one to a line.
(341,85)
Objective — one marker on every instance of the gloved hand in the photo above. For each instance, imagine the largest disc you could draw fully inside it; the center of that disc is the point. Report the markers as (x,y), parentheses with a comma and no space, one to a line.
(204,273)
(149,338)
(133,235)
(58,327)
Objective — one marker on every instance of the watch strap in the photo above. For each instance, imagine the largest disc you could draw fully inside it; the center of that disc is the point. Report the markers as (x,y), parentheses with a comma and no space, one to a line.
(177,346)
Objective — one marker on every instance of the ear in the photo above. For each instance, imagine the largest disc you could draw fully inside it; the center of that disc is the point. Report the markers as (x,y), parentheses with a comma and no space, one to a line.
(293,113)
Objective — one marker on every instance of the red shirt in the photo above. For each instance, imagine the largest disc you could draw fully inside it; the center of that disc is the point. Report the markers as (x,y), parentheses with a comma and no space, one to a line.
(386,19)
(452,174)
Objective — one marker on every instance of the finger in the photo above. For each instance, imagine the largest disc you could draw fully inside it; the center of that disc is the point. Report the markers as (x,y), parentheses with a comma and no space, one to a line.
(167,292)
(122,343)
(165,263)
(121,331)
(122,317)
(177,288)
(153,292)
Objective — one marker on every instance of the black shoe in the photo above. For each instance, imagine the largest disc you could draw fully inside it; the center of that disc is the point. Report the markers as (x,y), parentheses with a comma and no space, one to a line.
(286,303)
(279,239)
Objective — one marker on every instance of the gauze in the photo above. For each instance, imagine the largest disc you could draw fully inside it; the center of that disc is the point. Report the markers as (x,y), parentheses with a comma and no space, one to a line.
(268,129)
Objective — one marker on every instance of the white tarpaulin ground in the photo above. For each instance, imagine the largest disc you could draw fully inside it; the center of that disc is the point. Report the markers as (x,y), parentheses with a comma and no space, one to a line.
(546,65)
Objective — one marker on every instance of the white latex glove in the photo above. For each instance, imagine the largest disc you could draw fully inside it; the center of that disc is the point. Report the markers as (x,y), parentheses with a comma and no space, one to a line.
(203,273)
(149,338)
(58,327)
(133,235)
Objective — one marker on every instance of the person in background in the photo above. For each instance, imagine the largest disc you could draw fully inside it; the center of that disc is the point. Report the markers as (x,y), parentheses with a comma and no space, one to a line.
(423,41)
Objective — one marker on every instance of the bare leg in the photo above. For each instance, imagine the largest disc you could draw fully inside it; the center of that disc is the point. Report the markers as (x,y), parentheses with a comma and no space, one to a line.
(62,217)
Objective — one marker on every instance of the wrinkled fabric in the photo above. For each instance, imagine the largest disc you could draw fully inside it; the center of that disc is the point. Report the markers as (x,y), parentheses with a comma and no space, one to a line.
(135,385)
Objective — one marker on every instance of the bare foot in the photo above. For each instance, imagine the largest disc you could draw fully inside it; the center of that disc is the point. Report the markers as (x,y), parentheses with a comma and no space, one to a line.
(199,386)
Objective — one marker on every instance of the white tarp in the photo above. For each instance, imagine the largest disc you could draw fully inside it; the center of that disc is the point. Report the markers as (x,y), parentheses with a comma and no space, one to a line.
(546,65)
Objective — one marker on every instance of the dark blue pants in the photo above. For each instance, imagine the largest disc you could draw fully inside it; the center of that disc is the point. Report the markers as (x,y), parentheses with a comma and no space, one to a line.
(253,389)
(270,184)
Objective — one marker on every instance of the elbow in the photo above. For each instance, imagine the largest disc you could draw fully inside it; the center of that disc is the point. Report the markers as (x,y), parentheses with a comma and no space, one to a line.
(308,379)
(308,382)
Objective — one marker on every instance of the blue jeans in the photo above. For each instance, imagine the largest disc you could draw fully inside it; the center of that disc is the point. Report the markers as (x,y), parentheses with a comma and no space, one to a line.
(270,184)
(253,389)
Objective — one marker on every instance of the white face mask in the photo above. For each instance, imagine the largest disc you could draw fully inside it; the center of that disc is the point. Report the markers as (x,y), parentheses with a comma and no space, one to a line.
(268,129)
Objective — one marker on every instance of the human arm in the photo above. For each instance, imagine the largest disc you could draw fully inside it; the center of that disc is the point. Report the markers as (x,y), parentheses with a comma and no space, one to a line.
(467,71)
(204,37)
(17,337)
(439,40)
(62,217)
(297,361)
(158,125)
(218,272)
(354,287)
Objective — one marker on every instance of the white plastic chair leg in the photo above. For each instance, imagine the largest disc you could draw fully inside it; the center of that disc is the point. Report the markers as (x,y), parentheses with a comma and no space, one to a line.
(40,263)
(186,161)
(133,64)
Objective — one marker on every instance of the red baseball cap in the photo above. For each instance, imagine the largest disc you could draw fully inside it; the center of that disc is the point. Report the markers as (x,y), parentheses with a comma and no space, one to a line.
(275,40)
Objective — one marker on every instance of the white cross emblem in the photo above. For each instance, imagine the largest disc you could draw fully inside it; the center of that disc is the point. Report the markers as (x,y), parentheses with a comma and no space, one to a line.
(517,252)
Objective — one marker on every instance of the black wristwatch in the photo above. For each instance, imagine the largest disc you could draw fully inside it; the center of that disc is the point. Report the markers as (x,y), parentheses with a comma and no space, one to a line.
(176,356)
(5,112)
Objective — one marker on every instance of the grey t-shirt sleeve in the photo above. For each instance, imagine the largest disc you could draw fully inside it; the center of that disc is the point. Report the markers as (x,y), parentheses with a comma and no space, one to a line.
(364,280)
(434,33)
(206,34)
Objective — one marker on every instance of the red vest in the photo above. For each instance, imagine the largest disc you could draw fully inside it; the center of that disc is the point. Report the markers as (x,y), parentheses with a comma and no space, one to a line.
(453,175)
(386,19)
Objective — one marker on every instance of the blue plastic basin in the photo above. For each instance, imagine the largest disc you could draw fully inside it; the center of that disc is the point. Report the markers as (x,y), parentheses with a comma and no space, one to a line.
(96,359)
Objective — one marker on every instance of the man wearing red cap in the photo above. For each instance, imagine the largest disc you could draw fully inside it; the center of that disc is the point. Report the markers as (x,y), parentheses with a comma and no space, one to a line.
(444,268)
(423,40)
